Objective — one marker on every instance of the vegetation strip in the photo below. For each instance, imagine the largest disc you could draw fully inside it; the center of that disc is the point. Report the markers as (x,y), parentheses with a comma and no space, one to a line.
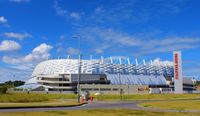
(32,97)
(19,107)
(174,105)
(99,112)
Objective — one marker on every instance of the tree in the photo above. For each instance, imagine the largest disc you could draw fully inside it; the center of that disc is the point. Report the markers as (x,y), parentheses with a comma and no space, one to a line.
(12,83)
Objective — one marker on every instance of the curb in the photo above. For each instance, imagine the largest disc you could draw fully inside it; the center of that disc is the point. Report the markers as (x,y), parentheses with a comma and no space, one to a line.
(26,107)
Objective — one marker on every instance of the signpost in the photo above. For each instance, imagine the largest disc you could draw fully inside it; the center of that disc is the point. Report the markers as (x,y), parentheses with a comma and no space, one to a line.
(178,78)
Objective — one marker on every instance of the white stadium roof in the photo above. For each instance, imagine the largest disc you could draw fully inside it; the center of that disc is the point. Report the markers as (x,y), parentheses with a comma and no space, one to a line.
(146,73)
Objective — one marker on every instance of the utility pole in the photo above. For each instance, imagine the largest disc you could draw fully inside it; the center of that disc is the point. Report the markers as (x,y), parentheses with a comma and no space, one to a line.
(13,85)
(121,90)
(79,68)
(79,75)
(120,66)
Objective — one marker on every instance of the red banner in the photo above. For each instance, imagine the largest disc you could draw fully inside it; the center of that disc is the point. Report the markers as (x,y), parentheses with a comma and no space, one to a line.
(176,75)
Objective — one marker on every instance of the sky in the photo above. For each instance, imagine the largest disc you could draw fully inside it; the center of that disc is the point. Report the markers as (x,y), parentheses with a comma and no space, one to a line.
(32,31)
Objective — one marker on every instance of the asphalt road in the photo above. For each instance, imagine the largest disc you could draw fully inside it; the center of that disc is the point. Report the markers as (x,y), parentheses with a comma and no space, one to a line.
(94,105)
(98,105)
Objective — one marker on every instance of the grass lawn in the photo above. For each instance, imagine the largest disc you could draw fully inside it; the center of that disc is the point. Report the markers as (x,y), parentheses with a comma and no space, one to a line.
(22,97)
(40,97)
(98,112)
(149,97)
(40,104)
(36,99)
(178,105)
(60,96)
(32,97)
(61,100)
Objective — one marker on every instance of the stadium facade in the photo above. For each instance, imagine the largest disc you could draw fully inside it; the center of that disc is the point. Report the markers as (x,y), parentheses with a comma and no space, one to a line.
(62,74)
(107,74)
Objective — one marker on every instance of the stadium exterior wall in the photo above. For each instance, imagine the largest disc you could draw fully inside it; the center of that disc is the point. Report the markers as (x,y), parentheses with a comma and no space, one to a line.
(61,74)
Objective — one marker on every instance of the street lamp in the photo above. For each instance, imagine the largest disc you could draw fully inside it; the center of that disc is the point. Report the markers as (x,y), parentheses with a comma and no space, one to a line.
(119,75)
(79,69)
(79,75)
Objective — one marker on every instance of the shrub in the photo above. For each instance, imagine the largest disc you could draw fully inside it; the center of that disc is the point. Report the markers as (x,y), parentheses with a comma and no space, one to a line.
(3,90)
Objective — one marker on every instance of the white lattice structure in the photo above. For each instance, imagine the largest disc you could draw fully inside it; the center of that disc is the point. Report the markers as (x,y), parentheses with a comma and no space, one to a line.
(118,71)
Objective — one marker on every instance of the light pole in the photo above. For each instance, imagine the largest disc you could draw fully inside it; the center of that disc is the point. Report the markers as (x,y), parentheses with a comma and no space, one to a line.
(119,74)
(13,84)
(79,75)
(121,90)
(79,69)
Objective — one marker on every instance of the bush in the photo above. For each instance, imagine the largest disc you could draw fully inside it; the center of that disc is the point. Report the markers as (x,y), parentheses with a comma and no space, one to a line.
(3,90)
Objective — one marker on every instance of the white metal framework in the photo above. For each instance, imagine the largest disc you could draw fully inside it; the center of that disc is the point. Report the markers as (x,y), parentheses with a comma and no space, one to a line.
(118,70)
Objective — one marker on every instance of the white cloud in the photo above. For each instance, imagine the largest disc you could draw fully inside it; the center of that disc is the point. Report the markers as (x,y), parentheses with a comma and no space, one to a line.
(75,15)
(159,62)
(170,44)
(191,67)
(63,12)
(38,54)
(134,11)
(9,45)
(3,20)
(20,68)
(98,9)
(72,51)
(120,41)
(19,36)
(109,36)
(62,37)
(100,49)
(19,1)
(42,49)
(59,10)
(7,74)
(10,60)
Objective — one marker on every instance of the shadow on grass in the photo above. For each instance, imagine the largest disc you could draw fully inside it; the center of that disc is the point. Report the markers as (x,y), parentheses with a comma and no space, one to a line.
(57,112)
(147,105)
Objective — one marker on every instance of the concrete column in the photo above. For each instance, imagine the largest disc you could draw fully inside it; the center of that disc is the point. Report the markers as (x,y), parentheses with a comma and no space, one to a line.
(178,78)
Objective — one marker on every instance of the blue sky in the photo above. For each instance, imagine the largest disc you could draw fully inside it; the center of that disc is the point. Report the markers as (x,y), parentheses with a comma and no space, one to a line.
(33,30)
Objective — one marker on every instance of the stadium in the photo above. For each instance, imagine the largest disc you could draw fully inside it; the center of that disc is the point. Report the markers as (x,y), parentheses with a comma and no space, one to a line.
(106,75)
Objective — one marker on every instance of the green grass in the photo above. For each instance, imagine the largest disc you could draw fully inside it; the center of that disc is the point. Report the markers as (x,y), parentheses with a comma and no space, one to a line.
(98,112)
(39,97)
(148,97)
(36,99)
(178,105)
(32,97)
(46,103)
(40,104)
(60,96)
(21,98)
